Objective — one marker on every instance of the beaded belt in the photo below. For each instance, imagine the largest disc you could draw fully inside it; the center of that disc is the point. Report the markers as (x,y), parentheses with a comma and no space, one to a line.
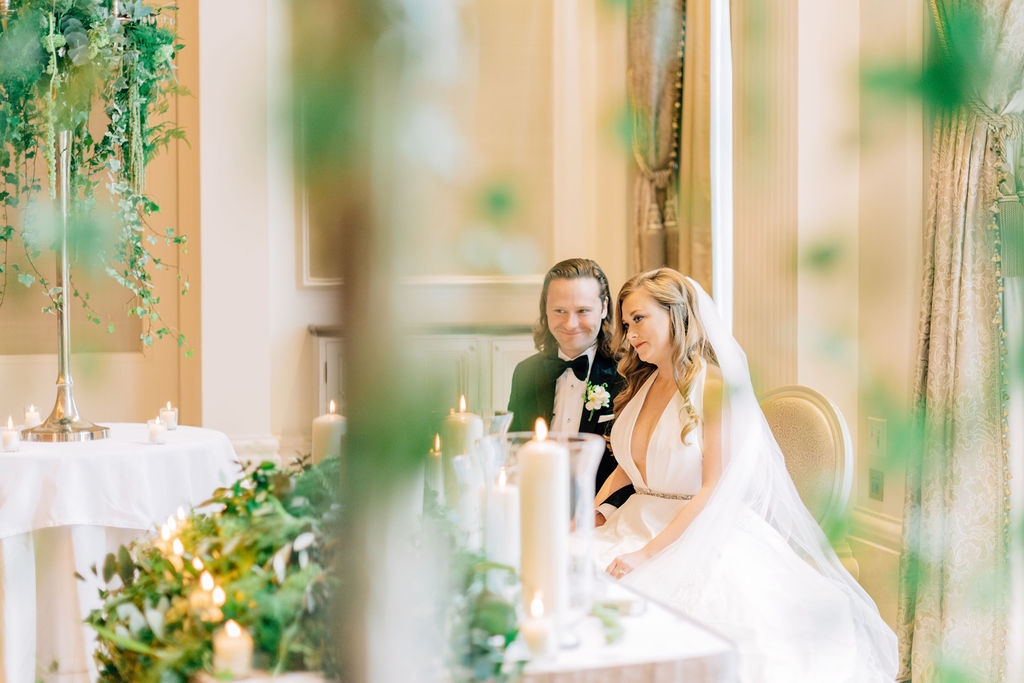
(661,494)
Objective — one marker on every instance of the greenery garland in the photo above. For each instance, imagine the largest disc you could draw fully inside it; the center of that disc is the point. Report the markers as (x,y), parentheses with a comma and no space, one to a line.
(269,541)
(59,61)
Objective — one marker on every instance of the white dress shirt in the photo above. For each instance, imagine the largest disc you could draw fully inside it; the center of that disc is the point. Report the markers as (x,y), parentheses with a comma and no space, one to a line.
(569,397)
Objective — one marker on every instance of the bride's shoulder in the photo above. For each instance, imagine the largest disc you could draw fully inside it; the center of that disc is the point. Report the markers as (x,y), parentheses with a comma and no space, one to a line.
(712,373)
(713,384)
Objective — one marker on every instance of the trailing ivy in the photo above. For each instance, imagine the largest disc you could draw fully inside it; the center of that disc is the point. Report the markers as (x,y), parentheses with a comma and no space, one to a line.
(61,63)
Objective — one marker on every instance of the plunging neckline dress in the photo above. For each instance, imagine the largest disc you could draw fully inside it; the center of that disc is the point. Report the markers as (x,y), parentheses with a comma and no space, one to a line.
(790,625)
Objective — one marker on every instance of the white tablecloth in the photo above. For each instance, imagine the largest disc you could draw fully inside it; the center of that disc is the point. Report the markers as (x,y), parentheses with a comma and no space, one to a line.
(63,507)
(658,646)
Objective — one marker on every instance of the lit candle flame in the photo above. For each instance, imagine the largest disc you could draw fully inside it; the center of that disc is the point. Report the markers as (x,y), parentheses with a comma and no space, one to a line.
(333,407)
(462,403)
(537,605)
(168,405)
(437,444)
(219,597)
(502,478)
(157,421)
(232,628)
(206,581)
(10,422)
(31,407)
(541,428)
(197,564)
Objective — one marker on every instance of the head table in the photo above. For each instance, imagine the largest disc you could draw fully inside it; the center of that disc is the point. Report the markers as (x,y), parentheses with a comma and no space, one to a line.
(63,507)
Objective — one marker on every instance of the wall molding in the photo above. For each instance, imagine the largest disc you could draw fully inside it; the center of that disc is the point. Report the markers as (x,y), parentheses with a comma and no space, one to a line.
(878,529)
(256,449)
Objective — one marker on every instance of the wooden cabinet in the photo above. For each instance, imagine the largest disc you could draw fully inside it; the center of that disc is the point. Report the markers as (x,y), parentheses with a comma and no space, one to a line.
(476,362)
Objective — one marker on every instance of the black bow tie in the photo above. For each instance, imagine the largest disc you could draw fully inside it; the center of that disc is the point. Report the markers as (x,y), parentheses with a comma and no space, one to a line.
(580,366)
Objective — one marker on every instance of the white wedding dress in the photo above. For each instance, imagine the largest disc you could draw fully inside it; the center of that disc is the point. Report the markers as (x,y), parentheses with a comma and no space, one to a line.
(792,621)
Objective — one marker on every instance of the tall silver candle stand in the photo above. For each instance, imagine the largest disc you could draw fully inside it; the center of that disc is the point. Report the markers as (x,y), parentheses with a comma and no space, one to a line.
(64,422)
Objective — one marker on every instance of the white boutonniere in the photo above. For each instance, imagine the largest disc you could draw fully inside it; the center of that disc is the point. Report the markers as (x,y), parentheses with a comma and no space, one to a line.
(596,397)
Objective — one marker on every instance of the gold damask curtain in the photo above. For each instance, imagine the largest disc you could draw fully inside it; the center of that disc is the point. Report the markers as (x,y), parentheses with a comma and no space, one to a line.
(954,604)
(669,89)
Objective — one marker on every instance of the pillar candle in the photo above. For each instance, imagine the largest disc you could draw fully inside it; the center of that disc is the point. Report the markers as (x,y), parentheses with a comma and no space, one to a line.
(502,528)
(462,430)
(170,416)
(232,650)
(11,436)
(459,434)
(32,417)
(435,470)
(327,432)
(544,521)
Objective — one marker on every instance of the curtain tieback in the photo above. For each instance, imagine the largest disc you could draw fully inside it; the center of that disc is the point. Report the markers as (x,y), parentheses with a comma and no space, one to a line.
(1011,125)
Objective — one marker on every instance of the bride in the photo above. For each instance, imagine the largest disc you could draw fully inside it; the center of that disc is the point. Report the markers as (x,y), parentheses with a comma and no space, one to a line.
(716,528)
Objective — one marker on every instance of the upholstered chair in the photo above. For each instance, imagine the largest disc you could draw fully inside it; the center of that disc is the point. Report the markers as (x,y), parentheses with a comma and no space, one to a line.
(816,444)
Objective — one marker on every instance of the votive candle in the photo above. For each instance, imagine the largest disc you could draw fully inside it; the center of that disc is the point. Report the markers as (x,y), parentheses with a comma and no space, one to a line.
(170,416)
(11,438)
(32,417)
(157,431)
(537,630)
(232,650)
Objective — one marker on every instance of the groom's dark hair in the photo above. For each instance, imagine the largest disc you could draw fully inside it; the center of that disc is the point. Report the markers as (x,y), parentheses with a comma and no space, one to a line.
(574,269)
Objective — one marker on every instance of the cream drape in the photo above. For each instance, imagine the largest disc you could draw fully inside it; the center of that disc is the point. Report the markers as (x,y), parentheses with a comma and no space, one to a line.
(953,610)
(682,126)
(655,81)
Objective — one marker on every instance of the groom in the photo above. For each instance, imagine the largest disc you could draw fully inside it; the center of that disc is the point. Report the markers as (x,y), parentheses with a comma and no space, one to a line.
(572,381)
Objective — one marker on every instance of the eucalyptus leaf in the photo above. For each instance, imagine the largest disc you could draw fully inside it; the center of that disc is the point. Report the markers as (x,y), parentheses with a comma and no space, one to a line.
(109,567)
(304,540)
(134,618)
(125,566)
(155,619)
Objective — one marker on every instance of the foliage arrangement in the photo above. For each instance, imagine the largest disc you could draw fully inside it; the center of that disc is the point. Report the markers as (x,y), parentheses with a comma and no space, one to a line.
(60,61)
(477,607)
(268,541)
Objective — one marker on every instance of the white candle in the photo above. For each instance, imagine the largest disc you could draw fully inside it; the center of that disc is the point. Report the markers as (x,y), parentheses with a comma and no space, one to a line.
(202,600)
(157,431)
(459,433)
(170,416)
(544,521)
(11,437)
(435,470)
(327,432)
(461,430)
(502,528)
(537,631)
(467,498)
(232,650)
(32,417)
(177,550)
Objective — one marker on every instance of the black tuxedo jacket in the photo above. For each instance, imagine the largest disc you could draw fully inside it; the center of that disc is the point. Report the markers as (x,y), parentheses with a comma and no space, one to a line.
(533,396)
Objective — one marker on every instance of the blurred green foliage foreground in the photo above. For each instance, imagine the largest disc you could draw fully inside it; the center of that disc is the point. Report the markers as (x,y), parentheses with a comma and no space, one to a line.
(267,542)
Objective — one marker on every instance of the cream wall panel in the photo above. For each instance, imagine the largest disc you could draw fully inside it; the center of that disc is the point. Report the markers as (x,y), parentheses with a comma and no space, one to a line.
(765,197)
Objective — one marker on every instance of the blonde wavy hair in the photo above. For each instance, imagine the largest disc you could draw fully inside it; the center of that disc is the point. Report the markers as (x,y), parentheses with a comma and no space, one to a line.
(690,345)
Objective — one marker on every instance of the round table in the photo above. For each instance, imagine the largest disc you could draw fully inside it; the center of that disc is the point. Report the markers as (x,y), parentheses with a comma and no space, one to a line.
(63,507)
